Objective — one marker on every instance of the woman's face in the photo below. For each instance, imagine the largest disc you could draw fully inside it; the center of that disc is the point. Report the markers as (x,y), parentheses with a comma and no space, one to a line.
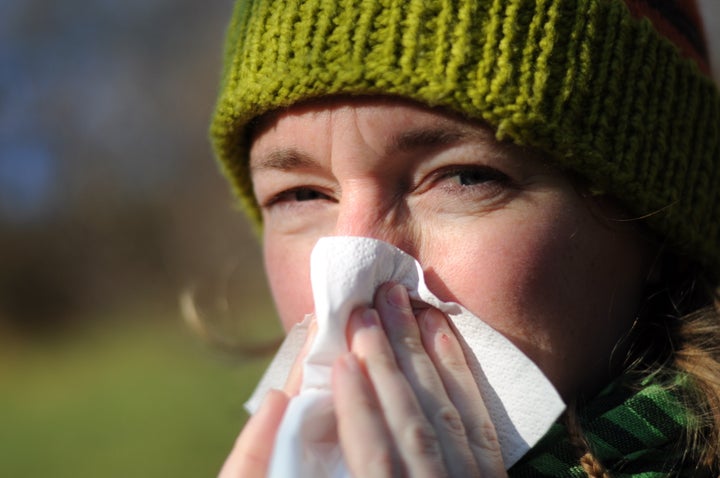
(496,229)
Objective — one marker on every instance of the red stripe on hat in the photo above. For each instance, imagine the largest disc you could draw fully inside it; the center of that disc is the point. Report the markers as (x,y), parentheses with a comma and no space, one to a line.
(679,21)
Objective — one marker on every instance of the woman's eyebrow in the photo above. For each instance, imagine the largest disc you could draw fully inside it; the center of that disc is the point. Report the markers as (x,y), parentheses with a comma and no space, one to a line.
(425,138)
(439,137)
(285,159)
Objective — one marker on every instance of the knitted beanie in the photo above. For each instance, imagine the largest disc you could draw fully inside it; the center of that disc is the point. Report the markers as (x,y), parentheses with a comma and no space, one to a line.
(617,91)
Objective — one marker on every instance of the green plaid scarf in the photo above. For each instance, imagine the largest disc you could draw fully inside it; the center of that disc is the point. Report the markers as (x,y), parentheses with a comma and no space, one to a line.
(634,433)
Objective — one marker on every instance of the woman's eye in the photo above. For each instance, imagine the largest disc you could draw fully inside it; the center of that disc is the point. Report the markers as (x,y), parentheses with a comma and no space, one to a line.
(296,210)
(296,195)
(469,187)
(473,176)
(304,194)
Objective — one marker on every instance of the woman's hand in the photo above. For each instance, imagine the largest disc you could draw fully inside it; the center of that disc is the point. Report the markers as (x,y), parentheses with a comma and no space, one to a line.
(250,456)
(406,402)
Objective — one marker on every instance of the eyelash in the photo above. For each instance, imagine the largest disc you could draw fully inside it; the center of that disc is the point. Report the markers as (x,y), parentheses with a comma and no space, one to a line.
(482,177)
(287,196)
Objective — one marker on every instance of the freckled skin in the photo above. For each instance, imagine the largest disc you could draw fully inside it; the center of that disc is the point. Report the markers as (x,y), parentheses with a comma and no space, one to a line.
(495,227)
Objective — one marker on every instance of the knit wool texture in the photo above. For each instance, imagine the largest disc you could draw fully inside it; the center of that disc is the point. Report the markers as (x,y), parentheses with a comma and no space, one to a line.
(601,92)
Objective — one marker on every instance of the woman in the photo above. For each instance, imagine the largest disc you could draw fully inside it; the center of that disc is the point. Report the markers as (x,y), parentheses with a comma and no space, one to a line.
(555,168)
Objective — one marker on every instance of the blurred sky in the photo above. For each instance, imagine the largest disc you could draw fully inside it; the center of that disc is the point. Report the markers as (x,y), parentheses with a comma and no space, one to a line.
(108,189)
(89,94)
(106,175)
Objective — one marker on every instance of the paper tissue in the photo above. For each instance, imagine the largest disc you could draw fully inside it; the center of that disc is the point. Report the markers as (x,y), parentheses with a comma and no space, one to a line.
(345,273)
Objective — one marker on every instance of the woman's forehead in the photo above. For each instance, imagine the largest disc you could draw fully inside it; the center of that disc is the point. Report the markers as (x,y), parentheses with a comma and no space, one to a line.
(403,124)
(414,112)
(303,137)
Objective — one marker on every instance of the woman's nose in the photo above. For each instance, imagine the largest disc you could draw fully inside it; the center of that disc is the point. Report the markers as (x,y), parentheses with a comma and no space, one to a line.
(369,217)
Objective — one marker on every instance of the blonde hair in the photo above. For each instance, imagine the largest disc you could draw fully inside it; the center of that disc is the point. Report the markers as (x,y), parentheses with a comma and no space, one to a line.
(698,354)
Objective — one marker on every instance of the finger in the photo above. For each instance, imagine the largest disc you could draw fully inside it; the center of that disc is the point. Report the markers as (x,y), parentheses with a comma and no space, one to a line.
(364,437)
(445,351)
(412,434)
(402,329)
(250,455)
(294,379)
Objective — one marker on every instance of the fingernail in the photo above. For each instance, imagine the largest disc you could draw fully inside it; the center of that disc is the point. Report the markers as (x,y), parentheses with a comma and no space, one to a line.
(397,296)
(431,319)
(350,362)
(369,318)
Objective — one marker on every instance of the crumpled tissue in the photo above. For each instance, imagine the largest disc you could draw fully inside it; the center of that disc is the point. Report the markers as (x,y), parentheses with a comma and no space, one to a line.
(345,273)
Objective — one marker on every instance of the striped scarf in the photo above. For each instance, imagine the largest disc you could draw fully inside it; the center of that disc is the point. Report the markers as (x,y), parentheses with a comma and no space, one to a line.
(634,433)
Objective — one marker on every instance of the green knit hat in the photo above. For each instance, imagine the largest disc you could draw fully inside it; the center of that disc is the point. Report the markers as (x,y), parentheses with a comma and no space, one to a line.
(591,82)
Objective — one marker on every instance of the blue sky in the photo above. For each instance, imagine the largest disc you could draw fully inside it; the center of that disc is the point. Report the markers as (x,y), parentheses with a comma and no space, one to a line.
(91,93)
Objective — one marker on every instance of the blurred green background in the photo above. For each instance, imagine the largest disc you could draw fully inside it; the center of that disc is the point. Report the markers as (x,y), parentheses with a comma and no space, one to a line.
(134,315)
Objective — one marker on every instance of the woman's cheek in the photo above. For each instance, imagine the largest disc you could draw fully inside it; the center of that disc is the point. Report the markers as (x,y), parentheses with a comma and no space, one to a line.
(507,273)
(288,271)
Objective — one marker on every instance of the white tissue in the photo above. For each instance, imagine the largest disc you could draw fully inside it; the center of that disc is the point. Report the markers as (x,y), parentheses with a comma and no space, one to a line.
(345,273)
